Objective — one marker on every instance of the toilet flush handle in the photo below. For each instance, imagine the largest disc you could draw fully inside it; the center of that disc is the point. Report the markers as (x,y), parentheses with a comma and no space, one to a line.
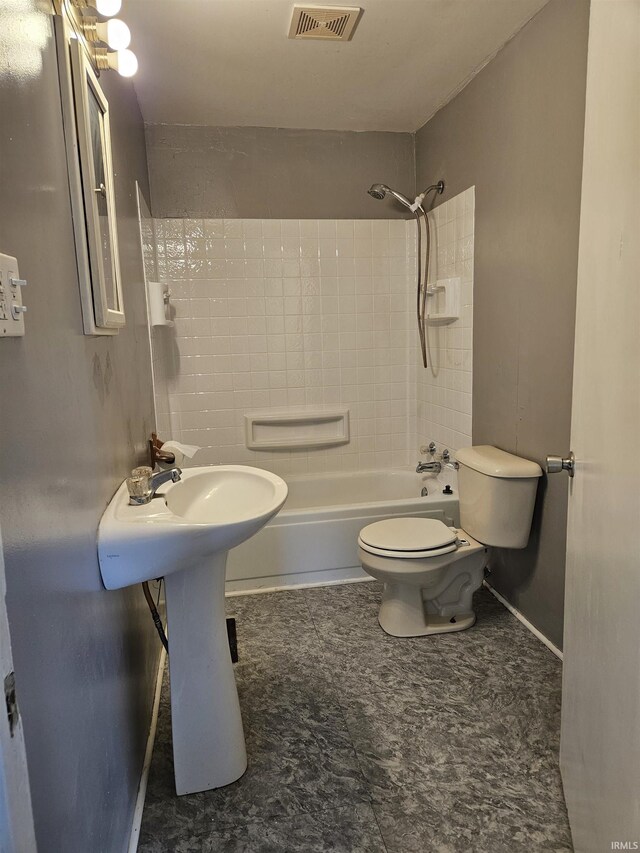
(556,464)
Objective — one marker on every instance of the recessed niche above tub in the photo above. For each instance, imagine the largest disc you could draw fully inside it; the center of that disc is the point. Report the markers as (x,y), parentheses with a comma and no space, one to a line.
(300,429)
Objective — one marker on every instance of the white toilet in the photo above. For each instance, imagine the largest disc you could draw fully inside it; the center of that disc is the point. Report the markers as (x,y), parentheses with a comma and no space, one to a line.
(430,571)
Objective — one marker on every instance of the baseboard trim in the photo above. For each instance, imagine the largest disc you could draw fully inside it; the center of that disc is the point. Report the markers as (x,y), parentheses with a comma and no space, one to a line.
(300,580)
(144,777)
(525,621)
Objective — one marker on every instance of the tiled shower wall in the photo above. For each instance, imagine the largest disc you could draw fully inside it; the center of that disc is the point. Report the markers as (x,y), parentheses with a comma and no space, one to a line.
(444,389)
(281,314)
(298,314)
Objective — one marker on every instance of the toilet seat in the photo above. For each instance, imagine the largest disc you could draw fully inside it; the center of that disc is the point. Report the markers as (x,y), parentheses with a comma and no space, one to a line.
(408,538)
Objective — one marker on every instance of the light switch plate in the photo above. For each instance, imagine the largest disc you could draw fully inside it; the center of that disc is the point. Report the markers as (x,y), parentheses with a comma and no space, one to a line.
(12,310)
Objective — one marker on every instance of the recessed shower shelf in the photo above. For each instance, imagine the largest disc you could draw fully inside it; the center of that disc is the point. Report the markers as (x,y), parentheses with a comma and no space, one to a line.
(297,429)
(444,296)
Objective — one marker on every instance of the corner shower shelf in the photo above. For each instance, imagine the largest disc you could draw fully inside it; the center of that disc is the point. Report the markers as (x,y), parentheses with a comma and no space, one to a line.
(445,298)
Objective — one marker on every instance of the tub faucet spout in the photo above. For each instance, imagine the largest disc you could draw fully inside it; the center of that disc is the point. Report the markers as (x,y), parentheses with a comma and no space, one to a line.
(429,467)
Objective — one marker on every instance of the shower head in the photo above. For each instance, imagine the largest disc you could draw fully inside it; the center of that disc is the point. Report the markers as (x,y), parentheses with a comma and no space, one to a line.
(379,191)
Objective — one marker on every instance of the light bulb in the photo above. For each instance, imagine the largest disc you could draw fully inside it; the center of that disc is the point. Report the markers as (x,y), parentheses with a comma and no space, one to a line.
(116,34)
(107,8)
(124,62)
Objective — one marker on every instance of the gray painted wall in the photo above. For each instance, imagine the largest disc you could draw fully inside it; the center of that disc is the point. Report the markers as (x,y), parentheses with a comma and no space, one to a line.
(75,412)
(516,132)
(249,172)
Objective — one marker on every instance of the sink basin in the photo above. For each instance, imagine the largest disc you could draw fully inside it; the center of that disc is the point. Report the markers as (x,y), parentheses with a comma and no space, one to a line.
(210,509)
(183,535)
(233,495)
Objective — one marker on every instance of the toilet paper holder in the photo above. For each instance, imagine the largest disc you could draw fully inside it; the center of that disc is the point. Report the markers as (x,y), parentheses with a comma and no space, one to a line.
(157,454)
(168,453)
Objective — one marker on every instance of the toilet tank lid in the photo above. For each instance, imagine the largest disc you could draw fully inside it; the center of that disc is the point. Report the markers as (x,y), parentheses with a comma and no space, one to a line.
(497,463)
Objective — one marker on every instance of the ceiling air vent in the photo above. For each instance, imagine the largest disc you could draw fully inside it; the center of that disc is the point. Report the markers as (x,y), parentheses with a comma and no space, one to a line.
(335,23)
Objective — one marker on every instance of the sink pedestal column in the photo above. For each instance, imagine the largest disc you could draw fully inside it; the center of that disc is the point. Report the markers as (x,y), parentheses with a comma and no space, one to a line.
(208,739)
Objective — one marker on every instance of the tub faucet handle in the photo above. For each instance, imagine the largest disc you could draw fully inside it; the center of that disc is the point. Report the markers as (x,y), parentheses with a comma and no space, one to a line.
(447,461)
(428,448)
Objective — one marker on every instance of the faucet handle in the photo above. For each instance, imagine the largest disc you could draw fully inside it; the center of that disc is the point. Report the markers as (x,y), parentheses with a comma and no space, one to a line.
(430,448)
(139,487)
(447,461)
(142,471)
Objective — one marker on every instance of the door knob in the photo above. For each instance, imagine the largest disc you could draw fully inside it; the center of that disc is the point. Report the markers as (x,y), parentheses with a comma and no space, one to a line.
(556,464)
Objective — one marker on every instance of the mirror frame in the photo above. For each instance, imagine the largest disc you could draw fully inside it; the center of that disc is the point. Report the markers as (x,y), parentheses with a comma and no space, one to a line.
(78,82)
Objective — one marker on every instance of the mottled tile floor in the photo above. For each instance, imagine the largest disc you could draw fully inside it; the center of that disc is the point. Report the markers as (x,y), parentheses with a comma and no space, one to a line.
(363,743)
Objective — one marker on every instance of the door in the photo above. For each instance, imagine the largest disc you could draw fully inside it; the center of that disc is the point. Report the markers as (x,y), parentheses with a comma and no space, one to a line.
(600,745)
(16,821)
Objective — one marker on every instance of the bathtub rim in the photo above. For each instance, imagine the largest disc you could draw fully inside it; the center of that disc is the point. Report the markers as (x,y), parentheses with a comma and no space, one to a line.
(337,510)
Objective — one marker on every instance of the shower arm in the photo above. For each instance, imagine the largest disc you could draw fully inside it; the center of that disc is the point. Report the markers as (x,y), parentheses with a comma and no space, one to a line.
(439,187)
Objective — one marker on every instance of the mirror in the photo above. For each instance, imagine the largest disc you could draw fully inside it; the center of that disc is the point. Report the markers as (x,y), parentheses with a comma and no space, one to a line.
(88,143)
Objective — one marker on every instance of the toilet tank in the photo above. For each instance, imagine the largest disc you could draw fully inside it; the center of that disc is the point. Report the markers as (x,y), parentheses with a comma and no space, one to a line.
(497,492)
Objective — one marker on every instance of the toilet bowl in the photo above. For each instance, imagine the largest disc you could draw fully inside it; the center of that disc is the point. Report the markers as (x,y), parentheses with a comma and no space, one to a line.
(428,588)
(430,571)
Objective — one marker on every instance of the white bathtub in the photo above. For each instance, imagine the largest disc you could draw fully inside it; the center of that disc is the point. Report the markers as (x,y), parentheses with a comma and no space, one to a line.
(313,540)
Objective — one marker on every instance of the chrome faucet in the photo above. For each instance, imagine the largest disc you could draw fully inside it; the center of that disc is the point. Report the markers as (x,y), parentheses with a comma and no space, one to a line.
(143,487)
(436,466)
(431,467)
(447,462)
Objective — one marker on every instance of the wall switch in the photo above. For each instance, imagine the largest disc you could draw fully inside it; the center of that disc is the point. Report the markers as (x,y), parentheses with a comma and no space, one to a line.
(12,310)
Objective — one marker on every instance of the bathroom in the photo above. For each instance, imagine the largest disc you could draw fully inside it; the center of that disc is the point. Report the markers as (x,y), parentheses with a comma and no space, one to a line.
(260,321)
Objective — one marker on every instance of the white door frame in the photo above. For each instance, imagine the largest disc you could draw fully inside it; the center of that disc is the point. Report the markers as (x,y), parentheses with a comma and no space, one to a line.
(17,834)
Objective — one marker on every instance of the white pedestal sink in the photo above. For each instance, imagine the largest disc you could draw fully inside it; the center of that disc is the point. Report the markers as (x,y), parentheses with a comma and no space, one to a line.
(184,534)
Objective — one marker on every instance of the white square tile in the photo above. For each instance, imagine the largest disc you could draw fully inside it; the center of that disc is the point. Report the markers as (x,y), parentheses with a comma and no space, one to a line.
(291,248)
(273,268)
(309,228)
(232,228)
(253,268)
(271,228)
(213,228)
(253,248)
(327,228)
(362,228)
(272,247)
(252,229)
(290,228)
(290,268)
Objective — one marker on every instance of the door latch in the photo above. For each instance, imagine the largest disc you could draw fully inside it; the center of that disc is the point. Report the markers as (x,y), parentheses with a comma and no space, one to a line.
(11,701)
(556,464)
